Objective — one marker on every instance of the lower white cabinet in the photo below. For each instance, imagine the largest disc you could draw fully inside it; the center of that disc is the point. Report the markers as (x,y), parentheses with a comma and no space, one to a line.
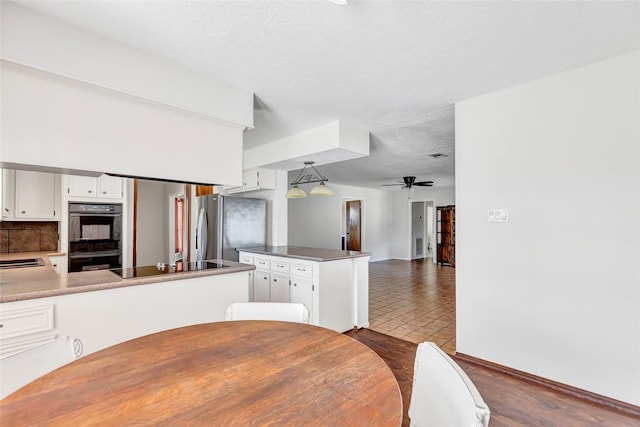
(261,286)
(329,289)
(59,262)
(301,291)
(25,326)
(279,288)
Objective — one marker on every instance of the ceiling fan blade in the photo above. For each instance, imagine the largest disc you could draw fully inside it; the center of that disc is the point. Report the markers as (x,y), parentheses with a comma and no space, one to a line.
(386,185)
(424,183)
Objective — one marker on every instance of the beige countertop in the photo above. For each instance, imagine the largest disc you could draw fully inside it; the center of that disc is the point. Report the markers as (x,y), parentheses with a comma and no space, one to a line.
(300,252)
(25,283)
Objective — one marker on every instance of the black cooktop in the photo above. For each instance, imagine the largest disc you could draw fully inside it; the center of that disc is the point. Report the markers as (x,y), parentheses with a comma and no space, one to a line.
(158,269)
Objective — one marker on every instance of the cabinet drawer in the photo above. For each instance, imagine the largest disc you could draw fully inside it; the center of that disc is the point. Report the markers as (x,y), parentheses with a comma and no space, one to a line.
(280,266)
(246,259)
(262,263)
(302,270)
(24,321)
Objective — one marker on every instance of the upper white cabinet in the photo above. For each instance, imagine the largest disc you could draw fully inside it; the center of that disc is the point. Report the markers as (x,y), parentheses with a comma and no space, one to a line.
(256,179)
(8,194)
(105,187)
(28,195)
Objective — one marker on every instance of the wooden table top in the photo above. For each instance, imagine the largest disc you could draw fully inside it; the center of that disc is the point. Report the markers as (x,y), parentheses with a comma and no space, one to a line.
(225,373)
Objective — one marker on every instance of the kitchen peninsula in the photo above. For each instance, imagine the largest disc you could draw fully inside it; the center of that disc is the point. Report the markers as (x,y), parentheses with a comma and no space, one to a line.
(98,309)
(333,284)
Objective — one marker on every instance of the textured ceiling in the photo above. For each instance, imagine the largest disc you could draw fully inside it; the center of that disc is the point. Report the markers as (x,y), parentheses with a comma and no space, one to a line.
(393,67)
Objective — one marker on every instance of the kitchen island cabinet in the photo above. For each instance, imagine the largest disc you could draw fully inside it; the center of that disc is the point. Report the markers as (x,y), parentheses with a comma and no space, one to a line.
(332,284)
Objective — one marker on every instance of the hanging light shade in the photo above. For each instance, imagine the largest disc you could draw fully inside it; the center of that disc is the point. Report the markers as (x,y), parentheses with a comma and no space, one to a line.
(321,190)
(295,193)
(307,178)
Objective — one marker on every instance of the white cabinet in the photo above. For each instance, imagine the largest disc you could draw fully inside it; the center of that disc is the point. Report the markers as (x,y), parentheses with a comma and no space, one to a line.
(102,187)
(59,262)
(25,327)
(256,179)
(301,291)
(261,286)
(328,289)
(28,195)
(8,194)
(279,288)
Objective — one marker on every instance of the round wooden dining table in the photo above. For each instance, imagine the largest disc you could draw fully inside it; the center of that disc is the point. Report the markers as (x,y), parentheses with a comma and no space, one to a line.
(226,373)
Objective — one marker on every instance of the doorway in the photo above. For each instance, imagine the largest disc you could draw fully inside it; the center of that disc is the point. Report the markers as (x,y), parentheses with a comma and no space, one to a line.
(422,226)
(177,228)
(352,220)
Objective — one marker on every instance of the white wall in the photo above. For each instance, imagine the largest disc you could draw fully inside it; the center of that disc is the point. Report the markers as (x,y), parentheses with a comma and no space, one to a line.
(401,238)
(42,42)
(317,221)
(556,290)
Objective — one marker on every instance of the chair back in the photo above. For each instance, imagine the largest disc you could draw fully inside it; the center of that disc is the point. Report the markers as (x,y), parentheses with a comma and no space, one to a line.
(283,311)
(443,394)
(19,369)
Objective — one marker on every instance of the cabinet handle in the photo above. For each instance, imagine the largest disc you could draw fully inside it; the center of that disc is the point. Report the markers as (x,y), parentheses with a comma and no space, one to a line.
(104,192)
(302,269)
(23,212)
(1,325)
(275,280)
(6,209)
(90,191)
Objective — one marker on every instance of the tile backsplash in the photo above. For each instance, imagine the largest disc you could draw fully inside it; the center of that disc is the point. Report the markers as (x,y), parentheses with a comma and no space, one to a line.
(22,236)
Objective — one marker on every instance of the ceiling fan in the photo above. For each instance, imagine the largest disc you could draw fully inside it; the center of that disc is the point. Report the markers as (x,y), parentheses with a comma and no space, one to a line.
(410,181)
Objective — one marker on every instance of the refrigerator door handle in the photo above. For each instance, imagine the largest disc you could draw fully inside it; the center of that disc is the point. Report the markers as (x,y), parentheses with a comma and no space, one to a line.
(201,235)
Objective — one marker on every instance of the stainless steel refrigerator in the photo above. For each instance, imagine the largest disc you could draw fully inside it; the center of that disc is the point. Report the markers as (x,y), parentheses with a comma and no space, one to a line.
(227,223)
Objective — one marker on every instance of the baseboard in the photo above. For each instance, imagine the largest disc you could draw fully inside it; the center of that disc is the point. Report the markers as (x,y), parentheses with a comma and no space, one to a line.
(554,385)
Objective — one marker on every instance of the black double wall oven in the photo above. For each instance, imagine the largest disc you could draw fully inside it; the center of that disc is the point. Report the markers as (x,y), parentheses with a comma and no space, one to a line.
(95,236)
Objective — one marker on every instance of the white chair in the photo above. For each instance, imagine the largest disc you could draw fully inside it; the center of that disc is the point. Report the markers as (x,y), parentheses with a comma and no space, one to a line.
(21,368)
(284,311)
(443,394)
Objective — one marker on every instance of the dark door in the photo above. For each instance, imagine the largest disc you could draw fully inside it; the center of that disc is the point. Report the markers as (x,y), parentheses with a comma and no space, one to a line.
(353,225)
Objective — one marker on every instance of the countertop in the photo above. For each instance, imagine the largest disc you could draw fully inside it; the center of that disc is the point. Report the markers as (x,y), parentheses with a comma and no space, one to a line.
(300,252)
(17,284)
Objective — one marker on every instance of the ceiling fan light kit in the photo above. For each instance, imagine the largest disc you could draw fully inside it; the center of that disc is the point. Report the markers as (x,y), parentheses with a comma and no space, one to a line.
(311,176)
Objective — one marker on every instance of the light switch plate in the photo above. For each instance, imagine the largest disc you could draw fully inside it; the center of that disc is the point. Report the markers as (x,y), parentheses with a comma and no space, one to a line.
(498,215)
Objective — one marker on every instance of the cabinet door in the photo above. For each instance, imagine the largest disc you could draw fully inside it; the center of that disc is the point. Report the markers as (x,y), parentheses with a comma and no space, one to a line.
(59,263)
(83,186)
(8,193)
(250,276)
(261,286)
(110,187)
(302,292)
(250,180)
(35,195)
(279,288)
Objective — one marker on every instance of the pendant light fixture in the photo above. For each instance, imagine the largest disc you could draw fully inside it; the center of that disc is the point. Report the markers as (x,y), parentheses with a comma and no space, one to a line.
(311,176)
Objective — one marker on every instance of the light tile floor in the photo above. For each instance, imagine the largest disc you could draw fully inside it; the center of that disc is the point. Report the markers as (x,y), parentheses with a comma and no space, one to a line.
(413,300)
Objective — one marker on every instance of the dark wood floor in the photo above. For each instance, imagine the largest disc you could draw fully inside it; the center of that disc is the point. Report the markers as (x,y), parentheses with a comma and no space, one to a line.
(513,402)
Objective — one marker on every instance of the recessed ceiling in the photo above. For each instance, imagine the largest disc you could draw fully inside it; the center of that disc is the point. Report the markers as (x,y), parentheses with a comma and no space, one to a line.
(395,67)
